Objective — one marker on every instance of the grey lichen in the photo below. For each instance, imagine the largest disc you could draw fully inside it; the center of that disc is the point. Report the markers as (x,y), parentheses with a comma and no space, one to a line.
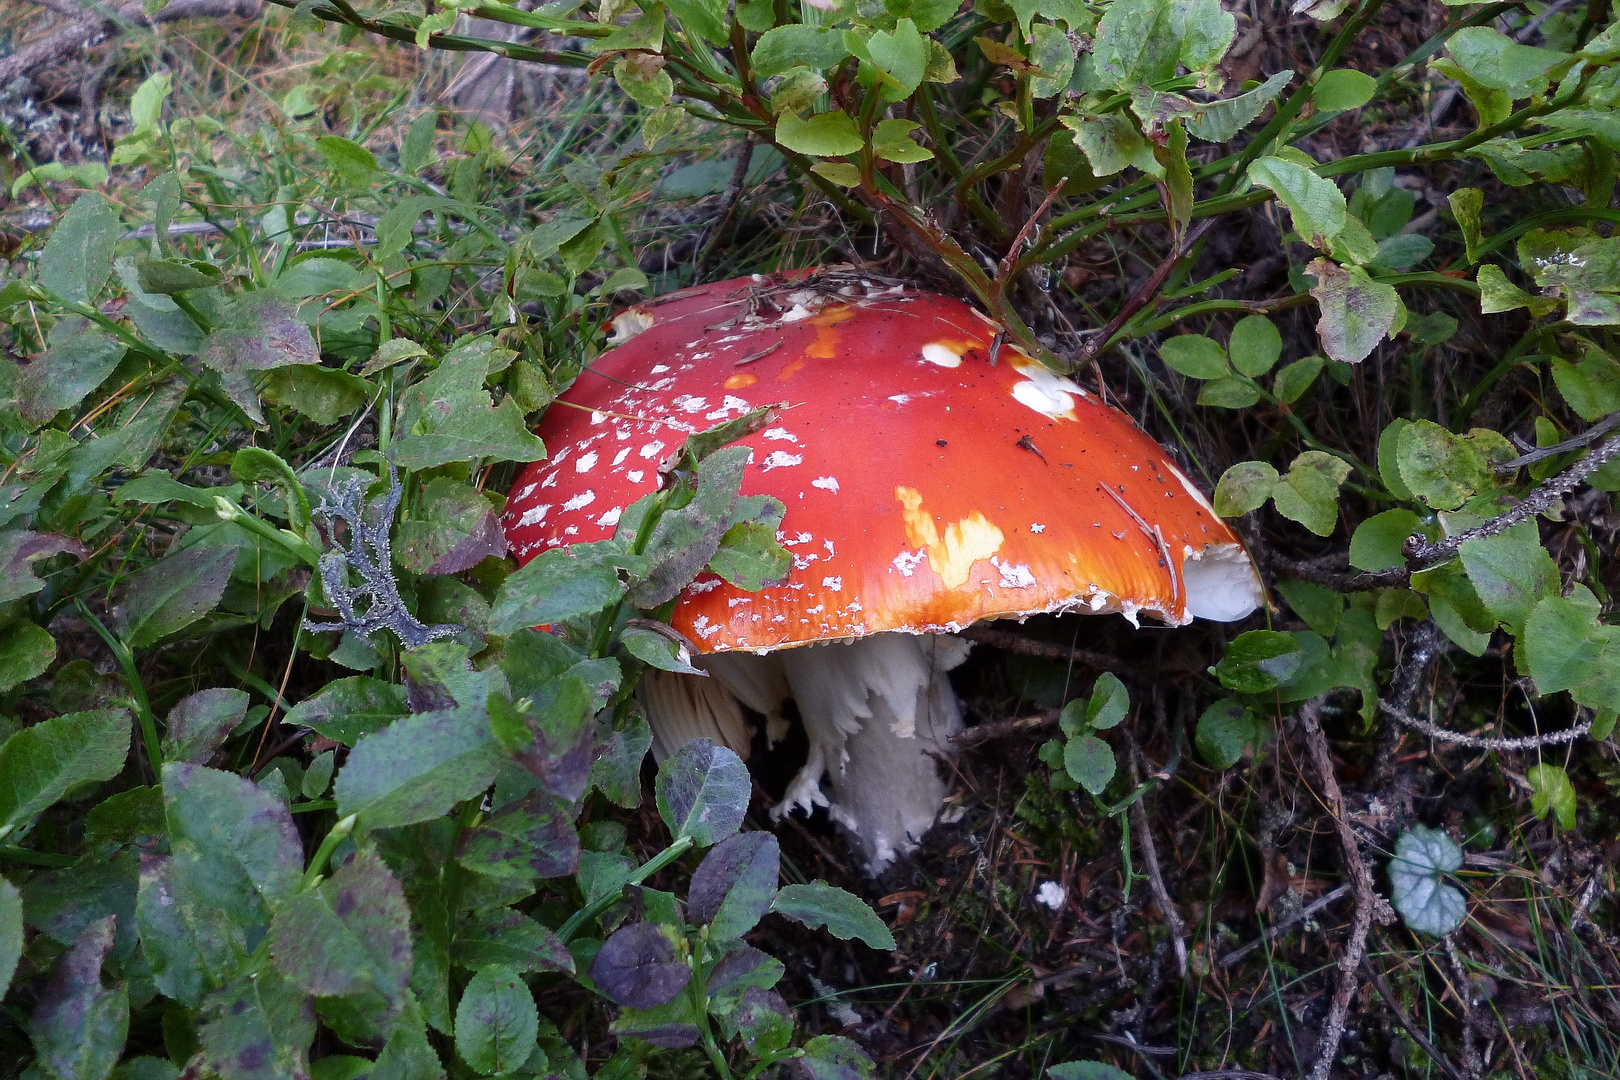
(370,556)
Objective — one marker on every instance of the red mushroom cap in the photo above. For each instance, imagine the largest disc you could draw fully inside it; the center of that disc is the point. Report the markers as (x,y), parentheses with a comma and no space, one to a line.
(927,487)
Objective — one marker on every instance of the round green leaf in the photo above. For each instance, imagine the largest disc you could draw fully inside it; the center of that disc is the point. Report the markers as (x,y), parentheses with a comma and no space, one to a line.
(1195,356)
(1343,89)
(1089,762)
(1244,487)
(1256,346)
(1429,906)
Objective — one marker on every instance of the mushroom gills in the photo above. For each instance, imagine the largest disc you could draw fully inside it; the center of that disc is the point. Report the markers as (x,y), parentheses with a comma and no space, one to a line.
(879,713)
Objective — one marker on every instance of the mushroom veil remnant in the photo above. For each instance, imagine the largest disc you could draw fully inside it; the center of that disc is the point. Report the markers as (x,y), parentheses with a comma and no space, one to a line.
(932,476)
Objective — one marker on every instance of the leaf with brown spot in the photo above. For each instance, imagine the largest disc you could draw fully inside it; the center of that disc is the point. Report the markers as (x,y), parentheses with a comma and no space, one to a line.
(350,940)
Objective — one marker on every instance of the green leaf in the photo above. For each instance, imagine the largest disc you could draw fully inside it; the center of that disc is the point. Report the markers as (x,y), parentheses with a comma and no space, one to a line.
(734,885)
(469,431)
(750,556)
(155,486)
(325,395)
(1566,648)
(891,141)
(77,260)
(1357,312)
(1108,703)
(1257,661)
(1309,492)
(1550,789)
(1221,120)
(1112,143)
(1379,541)
(1051,52)
(1401,251)
(1423,856)
(1229,392)
(26,652)
(702,792)
(1244,487)
(686,539)
(452,528)
(780,49)
(660,649)
(1318,605)
(448,416)
(200,722)
(1511,571)
(11,933)
(841,173)
(1089,762)
(259,331)
(533,837)
(1343,88)
(828,134)
(173,593)
(349,938)
(705,18)
(1495,60)
(351,161)
(1296,378)
(643,79)
(1497,293)
(42,763)
(345,710)
(902,54)
(1255,346)
(169,276)
(560,584)
(236,827)
(418,768)
(394,228)
(496,1021)
(504,936)
(1195,356)
(1143,41)
(1085,1070)
(1467,204)
(1315,204)
(1225,730)
(1592,386)
(79,360)
(1444,469)
(833,1057)
(257,1028)
(78,1027)
(844,914)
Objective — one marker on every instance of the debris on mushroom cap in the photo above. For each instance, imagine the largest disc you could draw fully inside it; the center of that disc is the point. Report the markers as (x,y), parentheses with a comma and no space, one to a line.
(928,483)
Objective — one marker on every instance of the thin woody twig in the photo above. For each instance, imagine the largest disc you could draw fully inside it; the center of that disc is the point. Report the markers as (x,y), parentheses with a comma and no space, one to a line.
(1282,926)
(1139,299)
(1369,905)
(1541,453)
(1411,1029)
(1486,742)
(1161,895)
(1543,498)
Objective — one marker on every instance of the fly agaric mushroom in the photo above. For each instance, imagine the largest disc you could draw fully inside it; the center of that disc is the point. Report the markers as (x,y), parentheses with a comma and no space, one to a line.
(933,477)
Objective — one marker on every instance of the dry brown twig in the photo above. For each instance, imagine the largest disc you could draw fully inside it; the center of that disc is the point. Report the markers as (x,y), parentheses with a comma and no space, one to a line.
(1150,857)
(1282,926)
(1369,905)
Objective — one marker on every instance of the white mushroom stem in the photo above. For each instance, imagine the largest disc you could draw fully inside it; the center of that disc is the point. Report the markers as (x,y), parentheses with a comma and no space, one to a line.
(879,713)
